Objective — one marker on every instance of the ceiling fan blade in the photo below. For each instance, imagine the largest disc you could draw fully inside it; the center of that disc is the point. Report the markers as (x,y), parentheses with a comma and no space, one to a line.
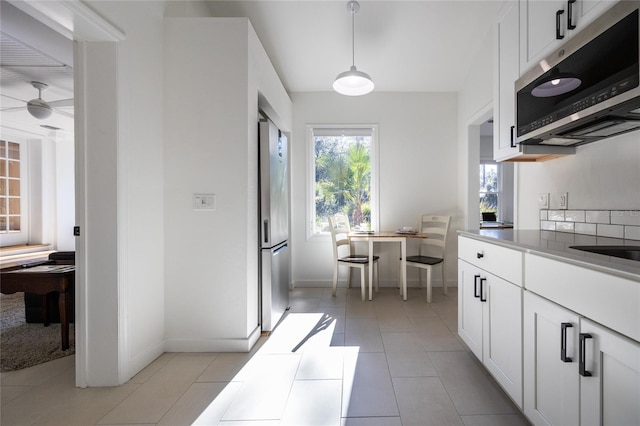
(62,112)
(61,103)
(14,109)
(14,98)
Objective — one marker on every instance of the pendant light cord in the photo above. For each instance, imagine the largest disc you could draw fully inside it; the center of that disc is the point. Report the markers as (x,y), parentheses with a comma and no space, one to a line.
(353,37)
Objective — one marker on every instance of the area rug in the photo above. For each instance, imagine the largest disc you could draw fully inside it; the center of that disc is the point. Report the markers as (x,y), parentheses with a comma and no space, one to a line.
(24,345)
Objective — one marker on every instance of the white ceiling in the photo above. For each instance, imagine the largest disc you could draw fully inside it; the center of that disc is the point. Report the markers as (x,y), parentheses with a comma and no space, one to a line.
(30,51)
(405,46)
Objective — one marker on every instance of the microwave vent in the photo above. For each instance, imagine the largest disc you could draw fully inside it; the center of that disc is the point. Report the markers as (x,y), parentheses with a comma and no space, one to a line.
(561,141)
(608,128)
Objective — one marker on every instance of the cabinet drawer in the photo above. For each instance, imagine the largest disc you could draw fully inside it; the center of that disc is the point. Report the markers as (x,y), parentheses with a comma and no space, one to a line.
(607,299)
(501,261)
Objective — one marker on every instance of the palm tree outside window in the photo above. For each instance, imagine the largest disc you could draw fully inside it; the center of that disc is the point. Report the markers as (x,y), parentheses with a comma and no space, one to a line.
(344,176)
(490,189)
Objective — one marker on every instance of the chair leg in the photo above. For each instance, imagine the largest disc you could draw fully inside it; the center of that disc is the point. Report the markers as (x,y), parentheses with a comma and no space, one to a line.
(428,285)
(420,278)
(376,275)
(335,279)
(349,277)
(444,281)
(363,284)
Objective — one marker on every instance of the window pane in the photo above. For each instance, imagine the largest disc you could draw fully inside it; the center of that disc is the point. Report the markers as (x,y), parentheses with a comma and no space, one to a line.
(14,187)
(3,149)
(14,205)
(14,223)
(342,176)
(489,188)
(14,169)
(488,177)
(3,186)
(14,151)
(3,206)
(3,223)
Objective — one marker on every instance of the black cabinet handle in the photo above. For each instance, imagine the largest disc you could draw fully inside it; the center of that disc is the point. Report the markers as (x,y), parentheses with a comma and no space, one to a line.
(480,255)
(558,35)
(482,297)
(570,24)
(475,286)
(581,364)
(563,341)
(513,141)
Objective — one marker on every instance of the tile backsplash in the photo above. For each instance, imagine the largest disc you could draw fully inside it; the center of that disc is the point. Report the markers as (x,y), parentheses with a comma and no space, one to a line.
(602,223)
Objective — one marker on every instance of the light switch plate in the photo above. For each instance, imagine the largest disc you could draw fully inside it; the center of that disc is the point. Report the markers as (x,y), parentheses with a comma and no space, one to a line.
(564,200)
(204,201)
(543,201)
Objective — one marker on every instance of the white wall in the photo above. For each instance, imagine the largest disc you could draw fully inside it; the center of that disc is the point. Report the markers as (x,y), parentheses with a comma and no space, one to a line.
(124,185)
(601,175)
(211,92)
(65,194)
(417,163)
(475,107)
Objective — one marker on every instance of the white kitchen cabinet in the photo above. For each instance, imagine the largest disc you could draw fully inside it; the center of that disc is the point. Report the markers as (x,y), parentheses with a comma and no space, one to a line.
(594,380)
(490,310)
(551,380)
(540,25)
(470,322)
(610,384)
(506,62)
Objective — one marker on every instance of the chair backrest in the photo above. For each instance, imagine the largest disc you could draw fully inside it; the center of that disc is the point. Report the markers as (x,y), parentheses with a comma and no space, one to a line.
(436,227)
(339,226)
(489,216)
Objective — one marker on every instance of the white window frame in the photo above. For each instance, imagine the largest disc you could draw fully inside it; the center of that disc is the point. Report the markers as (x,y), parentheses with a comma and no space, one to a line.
(311,175)
(499,192)
(20,237)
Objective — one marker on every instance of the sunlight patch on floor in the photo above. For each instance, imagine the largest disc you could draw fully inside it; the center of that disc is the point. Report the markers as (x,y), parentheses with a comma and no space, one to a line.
(296,375)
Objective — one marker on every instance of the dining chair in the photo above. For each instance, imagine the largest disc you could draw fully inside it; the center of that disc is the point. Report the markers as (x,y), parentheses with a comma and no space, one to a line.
(432,249)
(344,254)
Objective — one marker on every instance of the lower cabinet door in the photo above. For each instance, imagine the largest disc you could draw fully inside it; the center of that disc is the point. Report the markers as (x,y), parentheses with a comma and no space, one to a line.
(551,381)
(609,368)
(502,347)
(470,307)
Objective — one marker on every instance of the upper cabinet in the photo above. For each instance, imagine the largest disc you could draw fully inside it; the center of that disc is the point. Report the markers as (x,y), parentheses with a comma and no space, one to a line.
(545,25)
(507,71)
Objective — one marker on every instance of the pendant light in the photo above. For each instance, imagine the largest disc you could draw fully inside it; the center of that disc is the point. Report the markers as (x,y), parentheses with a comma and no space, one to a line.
(353,82)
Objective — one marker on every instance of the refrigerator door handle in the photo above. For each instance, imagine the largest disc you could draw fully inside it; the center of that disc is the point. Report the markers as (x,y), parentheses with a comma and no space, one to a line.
(279,249)
(265,230)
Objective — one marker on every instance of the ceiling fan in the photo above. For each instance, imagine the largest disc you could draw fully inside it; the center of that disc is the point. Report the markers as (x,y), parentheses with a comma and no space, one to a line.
(41,109)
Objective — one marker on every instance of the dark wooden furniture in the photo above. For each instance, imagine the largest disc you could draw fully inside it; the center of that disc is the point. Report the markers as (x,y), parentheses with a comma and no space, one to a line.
(35,310)
(42,280)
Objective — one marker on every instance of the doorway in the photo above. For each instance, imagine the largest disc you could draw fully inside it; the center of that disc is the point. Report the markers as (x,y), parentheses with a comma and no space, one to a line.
(480,151)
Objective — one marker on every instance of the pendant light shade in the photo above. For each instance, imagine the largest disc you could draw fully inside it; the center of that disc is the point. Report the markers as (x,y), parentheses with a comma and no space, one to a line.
(353,82)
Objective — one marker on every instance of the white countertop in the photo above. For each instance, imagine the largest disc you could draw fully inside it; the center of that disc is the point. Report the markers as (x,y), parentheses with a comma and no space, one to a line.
(556,244)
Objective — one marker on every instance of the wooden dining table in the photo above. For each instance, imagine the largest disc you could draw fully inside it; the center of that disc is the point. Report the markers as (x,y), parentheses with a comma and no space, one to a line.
(42,280)
(387,237)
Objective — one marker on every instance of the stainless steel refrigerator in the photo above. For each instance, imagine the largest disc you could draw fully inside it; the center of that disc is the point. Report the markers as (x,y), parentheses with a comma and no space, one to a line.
(274,225)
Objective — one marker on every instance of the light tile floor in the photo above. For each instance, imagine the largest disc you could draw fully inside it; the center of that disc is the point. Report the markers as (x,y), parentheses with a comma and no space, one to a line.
(331,361)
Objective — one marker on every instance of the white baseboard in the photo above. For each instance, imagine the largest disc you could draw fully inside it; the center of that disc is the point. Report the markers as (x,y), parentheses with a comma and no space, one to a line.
(213,345)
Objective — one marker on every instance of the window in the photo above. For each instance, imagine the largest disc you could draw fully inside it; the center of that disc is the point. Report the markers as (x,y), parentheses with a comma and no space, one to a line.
(343,176)
(489,188)
(10,200)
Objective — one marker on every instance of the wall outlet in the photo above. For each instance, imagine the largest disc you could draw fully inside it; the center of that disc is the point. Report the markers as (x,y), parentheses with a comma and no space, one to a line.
(543,201)
(564,200)
(204,201)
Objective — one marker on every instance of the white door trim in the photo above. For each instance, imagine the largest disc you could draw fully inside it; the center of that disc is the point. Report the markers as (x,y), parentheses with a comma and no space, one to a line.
(75,20)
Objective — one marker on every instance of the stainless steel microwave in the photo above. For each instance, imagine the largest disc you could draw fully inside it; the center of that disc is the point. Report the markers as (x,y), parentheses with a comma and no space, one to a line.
(588,89)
